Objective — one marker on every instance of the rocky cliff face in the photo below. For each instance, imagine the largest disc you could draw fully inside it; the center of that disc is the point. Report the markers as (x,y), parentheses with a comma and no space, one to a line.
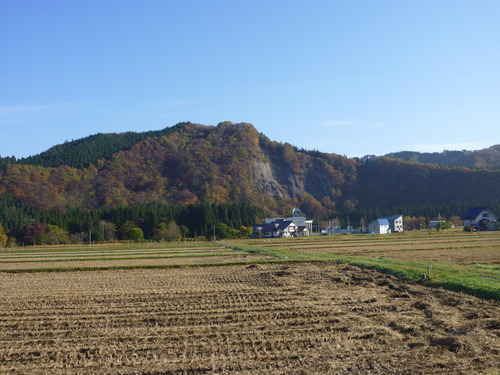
(265,179)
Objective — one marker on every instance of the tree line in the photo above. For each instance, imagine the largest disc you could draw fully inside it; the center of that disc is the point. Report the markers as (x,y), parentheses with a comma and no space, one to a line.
(21,224)
(486,158)
(419,215)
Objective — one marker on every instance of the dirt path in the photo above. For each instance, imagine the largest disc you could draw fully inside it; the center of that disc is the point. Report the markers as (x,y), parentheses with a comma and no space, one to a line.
(258,319)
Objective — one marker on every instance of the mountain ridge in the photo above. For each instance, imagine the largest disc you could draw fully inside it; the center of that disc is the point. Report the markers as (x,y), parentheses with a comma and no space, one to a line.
(485,158)
(82,152)
(231,163)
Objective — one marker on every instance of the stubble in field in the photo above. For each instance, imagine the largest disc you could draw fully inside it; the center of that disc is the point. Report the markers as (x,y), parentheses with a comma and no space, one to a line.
(253,319)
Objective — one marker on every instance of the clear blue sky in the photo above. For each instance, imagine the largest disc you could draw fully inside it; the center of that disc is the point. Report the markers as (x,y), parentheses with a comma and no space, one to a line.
(351,77)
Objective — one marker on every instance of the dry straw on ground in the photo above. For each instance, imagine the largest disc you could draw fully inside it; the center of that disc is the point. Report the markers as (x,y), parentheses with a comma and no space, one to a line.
(247,319)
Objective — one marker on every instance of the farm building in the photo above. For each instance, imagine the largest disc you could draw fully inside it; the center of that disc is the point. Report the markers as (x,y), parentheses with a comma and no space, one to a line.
(481,218)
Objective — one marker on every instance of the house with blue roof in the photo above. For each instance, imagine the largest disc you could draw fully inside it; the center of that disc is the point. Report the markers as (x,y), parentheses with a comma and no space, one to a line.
(379,226)
(386,224)
(395,222)
(481,218)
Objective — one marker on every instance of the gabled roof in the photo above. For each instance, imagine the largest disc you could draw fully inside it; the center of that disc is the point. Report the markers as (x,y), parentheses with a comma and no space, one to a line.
(473,213)
(381,221)
(263,228)
(392,218)
(282,223)
(274,226)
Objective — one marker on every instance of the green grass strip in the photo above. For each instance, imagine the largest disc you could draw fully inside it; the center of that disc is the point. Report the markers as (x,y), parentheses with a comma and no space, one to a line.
(452,277)
(481,282)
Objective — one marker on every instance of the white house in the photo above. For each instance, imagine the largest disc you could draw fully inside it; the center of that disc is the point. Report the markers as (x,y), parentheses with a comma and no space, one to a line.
(396,222)
(280,228)
(386,224)
(481,218)
(296,217)
(379,226)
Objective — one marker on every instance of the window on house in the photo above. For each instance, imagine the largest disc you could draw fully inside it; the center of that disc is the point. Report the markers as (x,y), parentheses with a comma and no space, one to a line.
(486,215)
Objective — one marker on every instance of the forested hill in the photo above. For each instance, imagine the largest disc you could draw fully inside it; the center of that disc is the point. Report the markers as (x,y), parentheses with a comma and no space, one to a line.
(485,158)
(231,163)
(81,153)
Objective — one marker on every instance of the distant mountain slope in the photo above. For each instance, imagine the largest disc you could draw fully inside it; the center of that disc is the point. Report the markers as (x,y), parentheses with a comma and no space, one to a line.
(234,163)
(81,153)
(485,158)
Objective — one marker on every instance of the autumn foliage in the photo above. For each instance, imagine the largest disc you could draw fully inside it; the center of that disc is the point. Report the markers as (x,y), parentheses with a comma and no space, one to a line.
(230,163)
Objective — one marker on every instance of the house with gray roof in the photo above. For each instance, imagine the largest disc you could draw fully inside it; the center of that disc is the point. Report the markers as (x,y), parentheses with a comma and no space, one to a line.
(293,226)
(296,217)
(279,228)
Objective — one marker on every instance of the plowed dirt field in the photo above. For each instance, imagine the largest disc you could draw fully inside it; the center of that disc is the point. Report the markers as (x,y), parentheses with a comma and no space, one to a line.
(310,318)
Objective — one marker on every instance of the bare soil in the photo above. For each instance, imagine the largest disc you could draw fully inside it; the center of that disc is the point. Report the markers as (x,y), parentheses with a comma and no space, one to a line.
(319,318)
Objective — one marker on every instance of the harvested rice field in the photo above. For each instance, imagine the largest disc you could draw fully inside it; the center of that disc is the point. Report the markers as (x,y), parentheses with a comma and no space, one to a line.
(247,307)
(307,318)
(452,247)
(121,255)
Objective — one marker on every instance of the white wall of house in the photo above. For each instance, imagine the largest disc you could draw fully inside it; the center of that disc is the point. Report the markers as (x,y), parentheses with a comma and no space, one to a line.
(398,224)
(378,228)
(290,230)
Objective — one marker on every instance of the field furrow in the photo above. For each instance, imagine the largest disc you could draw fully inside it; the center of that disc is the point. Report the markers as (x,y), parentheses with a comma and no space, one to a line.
(247,319)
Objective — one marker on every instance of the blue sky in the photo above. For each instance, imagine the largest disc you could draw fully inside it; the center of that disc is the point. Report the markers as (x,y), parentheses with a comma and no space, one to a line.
(351,77)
